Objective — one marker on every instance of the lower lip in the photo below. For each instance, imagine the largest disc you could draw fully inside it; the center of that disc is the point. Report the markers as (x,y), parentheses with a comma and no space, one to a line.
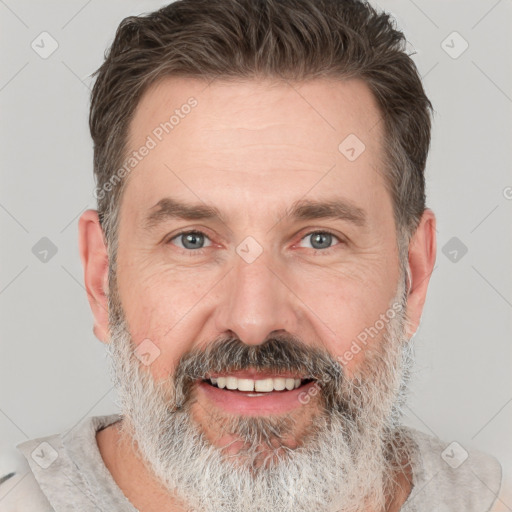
(239,402)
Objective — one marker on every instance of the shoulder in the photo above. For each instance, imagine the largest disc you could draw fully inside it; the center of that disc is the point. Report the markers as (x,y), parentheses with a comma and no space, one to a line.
(21,493)
(453,473)
(42,467)
(504,500)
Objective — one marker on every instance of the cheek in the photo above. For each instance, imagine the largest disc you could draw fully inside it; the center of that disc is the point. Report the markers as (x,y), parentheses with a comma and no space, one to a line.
(350,311)
(336,305)
(156,296)
(161,309)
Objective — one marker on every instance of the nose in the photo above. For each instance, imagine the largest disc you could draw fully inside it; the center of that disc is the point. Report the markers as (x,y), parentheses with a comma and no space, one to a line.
(255,301)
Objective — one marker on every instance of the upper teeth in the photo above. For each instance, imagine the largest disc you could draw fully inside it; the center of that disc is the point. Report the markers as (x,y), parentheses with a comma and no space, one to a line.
(262,386)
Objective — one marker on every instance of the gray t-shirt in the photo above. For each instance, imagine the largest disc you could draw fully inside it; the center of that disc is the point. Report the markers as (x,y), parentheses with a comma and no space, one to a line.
(66,473)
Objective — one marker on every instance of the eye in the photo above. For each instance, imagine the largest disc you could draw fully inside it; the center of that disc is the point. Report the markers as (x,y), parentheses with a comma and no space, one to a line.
(320,240)
(190,240)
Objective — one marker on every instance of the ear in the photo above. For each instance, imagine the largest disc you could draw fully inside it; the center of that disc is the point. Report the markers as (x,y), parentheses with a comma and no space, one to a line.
(94,256)
(422,258)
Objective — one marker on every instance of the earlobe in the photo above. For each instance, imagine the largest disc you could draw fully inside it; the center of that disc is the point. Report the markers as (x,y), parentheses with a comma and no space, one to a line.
(422,258)
(94,256)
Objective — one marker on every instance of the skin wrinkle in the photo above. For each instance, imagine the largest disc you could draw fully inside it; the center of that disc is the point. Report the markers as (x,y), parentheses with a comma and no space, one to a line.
(344,449)
(367,396)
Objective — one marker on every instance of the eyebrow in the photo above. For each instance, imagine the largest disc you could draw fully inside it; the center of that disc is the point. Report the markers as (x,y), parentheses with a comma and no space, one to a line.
(338,209)
(169,208)
(303,209)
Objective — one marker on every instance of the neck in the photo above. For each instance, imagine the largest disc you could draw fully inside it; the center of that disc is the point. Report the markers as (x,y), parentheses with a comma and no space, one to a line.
(131,475)
(402,482)
(146,493)
(400,491)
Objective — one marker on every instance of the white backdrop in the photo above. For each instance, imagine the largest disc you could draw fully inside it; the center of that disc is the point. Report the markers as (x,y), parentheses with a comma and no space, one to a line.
(53,371)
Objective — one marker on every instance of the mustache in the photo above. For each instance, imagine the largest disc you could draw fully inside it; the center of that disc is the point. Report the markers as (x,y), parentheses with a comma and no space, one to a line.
(278,354)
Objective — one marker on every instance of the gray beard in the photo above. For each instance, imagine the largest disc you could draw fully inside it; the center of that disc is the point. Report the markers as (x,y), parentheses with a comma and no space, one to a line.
(347,461)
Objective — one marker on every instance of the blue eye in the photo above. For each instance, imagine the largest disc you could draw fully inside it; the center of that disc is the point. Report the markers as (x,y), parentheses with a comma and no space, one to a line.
(320,239)
(195,241)
(191,240)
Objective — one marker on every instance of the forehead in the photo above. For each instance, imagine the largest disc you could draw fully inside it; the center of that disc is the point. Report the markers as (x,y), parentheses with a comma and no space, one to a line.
(255,140)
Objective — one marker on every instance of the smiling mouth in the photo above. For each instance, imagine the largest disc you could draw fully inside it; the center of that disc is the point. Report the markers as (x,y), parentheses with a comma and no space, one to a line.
(255,393)
(256,387)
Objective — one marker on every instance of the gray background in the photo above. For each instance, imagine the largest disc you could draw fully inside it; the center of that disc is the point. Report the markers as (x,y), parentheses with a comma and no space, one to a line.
(53,371)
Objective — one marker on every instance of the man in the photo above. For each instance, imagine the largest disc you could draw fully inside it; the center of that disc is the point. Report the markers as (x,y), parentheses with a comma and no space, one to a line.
(257,267)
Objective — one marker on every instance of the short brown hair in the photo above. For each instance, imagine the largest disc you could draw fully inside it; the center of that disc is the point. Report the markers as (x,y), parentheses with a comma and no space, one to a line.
(283,39)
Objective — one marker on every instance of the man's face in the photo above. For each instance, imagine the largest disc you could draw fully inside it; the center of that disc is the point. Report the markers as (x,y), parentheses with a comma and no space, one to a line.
(253,150)
(272,265)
